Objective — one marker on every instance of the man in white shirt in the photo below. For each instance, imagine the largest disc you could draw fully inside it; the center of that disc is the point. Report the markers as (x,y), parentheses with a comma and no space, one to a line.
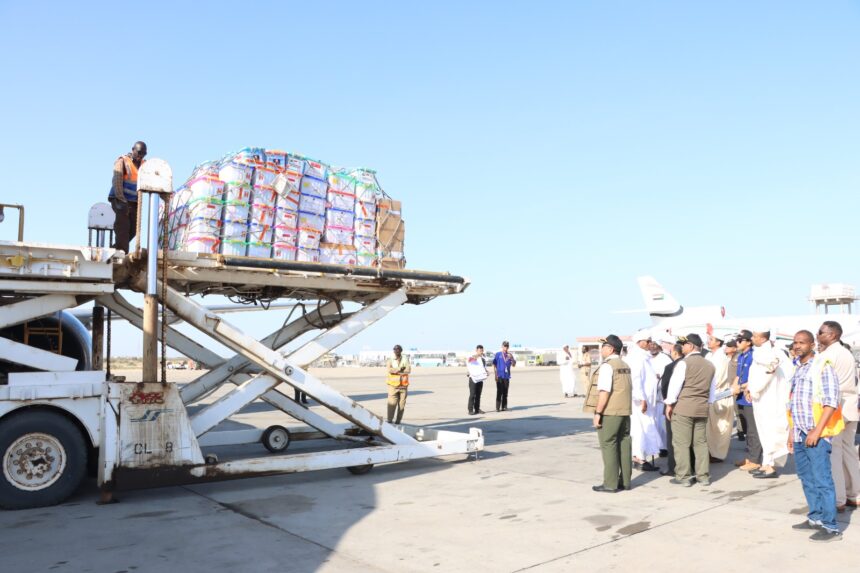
(476,368)
(843,459)
(659,361)
(769,393)
(566,373)
(721,412)
(644,436)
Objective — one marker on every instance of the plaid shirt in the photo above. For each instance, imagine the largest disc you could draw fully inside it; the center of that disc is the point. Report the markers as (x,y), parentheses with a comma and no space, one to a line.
(802,393)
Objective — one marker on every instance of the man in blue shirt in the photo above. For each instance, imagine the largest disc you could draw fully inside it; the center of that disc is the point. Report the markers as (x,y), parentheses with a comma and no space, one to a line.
(752,462)
(502,363)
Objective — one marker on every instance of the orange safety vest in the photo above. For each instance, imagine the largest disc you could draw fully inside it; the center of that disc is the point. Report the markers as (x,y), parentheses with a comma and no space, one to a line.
(398,379)
(129,179)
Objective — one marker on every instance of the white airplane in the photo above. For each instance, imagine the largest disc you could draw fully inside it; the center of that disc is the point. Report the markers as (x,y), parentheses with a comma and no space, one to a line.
(669,316)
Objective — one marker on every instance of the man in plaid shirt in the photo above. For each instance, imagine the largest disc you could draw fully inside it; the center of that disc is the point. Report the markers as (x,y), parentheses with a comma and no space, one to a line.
(811,451)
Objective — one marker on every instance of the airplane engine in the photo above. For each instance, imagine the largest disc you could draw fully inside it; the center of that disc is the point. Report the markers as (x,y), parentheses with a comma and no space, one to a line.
(60,332)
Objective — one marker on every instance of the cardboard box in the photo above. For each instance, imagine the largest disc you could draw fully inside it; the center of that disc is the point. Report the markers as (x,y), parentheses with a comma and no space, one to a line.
(390,264)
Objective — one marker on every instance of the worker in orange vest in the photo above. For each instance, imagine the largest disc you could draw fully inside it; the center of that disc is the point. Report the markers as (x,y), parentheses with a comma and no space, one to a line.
(398,382)
(123,195)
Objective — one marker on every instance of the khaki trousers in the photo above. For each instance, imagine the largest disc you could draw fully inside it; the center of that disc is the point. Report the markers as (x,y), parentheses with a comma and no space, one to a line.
(396,403)
(688,431)
(615,447)
(844,465)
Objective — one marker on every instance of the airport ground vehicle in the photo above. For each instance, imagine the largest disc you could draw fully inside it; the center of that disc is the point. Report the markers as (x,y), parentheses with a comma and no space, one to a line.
(61,412)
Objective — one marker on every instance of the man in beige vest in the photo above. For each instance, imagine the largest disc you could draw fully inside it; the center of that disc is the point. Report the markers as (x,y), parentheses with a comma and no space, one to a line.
(687,411)
(843,459)
(610,397)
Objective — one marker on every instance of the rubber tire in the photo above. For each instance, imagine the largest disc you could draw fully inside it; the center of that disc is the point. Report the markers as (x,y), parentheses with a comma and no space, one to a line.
(64,431)
(359,470)
(266,439)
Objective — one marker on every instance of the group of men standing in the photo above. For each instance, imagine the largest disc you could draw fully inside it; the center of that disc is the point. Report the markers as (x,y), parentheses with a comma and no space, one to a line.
(795,401)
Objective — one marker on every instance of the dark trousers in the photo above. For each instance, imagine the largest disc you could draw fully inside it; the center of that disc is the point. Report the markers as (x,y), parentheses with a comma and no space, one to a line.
(616,450)
(125,225)
(753,441)
(502,385)
(475,389)
(301,397)
(687,432)
(670,460)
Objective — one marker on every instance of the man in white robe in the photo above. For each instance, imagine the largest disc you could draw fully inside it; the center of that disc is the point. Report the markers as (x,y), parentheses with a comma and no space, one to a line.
(769,392)
(721,413)
(644,436)
(659,361)
(566,373)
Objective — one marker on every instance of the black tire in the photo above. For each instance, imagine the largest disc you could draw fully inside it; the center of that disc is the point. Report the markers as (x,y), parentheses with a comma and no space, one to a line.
(359,470)
(275,439)
(41,426)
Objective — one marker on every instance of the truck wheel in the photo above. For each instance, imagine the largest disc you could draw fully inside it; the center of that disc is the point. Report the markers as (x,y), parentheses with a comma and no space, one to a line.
(359,470)
(44,459)
(275,439)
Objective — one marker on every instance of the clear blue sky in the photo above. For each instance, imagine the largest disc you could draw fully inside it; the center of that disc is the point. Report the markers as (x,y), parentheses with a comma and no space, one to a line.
(550,151)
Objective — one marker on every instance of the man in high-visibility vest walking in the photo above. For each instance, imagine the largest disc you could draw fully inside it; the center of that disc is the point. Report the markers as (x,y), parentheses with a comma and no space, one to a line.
(398,382)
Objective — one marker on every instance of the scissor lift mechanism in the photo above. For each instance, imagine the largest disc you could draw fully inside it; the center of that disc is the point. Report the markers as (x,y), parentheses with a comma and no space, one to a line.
(145,434)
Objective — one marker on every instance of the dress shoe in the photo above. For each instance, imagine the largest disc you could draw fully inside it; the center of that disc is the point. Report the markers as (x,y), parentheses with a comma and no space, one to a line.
(806,526)
(742,438)
(766,475)
(471,413)
(683,482)
(755,472)
(664,453)
(852,503)
(704,482)
(480,412)
(645,466)
(601,489)
(840,508)
(715,460)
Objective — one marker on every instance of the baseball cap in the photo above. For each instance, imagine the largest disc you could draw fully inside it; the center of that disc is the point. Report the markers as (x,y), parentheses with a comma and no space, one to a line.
(612,341)
(744,335)
(692,338)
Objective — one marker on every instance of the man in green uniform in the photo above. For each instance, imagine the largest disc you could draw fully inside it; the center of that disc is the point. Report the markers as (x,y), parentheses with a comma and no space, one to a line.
(609,397)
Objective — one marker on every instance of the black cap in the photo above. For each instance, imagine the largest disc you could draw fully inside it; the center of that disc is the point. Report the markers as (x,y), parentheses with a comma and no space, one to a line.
(744,335)
(733,343)
(612,341)
(692,338)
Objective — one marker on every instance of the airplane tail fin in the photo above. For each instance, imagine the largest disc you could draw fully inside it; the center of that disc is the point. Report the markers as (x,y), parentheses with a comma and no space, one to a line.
(658,302)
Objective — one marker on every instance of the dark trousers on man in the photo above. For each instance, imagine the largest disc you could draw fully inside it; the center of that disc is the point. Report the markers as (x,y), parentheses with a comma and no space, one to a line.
(753,441)
(475,389)
(125,225)
(617,451)
(691,431)
(670,460)
(502,385)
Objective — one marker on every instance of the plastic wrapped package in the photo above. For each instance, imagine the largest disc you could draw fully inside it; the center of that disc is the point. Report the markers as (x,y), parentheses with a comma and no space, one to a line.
(365,227)
(341,200)
(284,251)
(236,173)
(240,193)
(201,244)
(288,185)
(265,195)
(311,204)
(203,226)
(338,235)
(260,250)
(262,214)
(234,247)
(365,176)
(264,177)
(209,168)
(316,169)
(235,230)
(276,159)
(176,237)
(260,233)
(314,187)
(285,218)
(309,239)
(337,254)
(365,209)
(311,221)
(296,164)
(366,192)
(365,259)
(308,255)
(206,186)
(251,156)
(337,218)
(285,235)
(365,244)
(341,181)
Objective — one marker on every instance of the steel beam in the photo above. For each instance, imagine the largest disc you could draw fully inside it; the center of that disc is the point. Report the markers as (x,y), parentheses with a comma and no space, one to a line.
(276,365)
(34,357)
(20,312)
(175,339)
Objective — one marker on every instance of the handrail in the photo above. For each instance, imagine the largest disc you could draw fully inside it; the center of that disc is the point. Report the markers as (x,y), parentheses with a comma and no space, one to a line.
(20,218)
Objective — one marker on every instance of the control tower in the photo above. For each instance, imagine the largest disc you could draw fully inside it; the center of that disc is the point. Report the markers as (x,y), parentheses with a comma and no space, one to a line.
(828,295)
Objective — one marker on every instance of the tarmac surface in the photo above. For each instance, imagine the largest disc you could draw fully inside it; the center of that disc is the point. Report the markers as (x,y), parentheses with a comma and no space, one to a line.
(525,505)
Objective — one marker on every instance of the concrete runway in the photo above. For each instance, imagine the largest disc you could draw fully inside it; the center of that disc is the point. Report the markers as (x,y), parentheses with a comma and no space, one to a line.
(525,505)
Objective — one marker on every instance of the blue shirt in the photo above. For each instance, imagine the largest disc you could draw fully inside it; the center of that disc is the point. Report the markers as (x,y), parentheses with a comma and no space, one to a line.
(743,373)
(503,367)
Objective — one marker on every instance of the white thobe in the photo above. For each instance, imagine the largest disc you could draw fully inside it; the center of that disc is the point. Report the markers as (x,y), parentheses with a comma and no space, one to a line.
(721,413)
(644,435)
(660,362)
(566,373)
(769,390)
